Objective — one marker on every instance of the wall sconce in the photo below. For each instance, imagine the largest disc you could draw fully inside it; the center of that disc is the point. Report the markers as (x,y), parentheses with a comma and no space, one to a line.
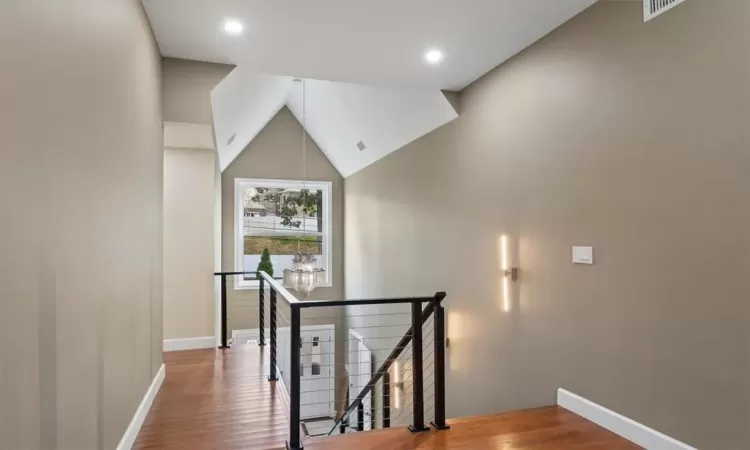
(509,272)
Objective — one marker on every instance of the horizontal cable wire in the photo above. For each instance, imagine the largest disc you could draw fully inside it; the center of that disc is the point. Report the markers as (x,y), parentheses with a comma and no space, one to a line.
(407,406)
(355,351)
(377,400)
(347,316)
(400,418)
(320,403)
(406,368)
(377,326)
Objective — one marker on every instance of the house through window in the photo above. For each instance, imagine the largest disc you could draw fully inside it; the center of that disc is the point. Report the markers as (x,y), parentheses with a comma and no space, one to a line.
(284,216)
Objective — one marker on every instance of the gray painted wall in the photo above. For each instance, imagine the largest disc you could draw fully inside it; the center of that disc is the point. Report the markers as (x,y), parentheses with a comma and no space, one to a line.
(186,89)
(81,241)
(276,153)
(188,305)
(629,137)
(189,197)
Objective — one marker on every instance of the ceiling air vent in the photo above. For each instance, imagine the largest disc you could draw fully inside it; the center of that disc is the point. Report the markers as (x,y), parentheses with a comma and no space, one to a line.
(231,139)
(361,146)
(652,8)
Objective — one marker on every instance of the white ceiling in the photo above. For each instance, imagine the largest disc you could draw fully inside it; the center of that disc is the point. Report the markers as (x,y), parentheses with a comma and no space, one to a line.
(337,115)
(382,92)
(377,42)
(243,104)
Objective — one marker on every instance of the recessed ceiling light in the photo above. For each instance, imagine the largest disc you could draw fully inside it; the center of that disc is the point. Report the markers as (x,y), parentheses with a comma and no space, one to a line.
(433,56)
(233,27)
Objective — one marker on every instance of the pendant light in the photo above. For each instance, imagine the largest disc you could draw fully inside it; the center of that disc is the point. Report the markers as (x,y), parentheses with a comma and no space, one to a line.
(305,275)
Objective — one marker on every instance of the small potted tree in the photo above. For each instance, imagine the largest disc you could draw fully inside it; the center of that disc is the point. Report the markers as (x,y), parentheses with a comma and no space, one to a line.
(265,263)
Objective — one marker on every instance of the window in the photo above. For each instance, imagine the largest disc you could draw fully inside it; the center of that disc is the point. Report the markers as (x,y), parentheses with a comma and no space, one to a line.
(269,214)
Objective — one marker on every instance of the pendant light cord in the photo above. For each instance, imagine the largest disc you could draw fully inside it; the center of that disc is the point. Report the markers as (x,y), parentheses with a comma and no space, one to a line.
(304,163)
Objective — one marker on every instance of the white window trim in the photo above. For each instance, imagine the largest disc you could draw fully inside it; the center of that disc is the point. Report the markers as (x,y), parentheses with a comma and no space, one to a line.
(240,184)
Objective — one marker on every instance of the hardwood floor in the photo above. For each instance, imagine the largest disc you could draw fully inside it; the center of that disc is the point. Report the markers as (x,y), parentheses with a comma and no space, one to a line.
(222,400)
(551,428)
(216,399)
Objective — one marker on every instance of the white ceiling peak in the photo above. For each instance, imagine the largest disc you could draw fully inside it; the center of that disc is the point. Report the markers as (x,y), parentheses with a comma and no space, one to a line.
(339,116)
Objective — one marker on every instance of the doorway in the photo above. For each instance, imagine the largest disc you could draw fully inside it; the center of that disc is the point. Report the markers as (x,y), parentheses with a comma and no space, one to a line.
(317,372)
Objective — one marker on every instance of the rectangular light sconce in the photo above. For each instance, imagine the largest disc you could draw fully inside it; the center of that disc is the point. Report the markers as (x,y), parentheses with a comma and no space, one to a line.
(509,273)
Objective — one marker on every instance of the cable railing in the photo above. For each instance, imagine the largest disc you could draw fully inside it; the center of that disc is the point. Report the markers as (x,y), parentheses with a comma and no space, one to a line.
(242,309)
(352,365)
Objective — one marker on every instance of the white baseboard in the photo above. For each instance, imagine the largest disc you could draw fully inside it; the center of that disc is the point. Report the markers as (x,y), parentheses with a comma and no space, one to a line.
(128,439)
(172,345)
(631,430)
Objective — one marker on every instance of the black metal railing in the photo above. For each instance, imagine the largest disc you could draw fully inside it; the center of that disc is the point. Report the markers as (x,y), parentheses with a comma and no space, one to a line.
(409,340)
(262,303)
(283,313)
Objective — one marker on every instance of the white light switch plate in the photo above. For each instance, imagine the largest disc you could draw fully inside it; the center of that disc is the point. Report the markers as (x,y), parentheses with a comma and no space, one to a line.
(583,255)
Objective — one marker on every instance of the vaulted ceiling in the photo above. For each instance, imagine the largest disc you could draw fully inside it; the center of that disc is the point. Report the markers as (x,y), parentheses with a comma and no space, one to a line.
(338,116)
(380,89)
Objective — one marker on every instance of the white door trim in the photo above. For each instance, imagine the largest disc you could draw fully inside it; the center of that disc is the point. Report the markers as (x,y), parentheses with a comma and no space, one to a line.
(352,335)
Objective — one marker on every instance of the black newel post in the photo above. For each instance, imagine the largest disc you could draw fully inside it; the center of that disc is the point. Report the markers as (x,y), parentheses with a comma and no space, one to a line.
(386,400)
(439,332)
(261,310)
(295,443)
(272,320)
(417,374)
(224,311)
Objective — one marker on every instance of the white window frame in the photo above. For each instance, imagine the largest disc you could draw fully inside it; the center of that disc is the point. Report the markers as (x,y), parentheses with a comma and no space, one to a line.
(239,222)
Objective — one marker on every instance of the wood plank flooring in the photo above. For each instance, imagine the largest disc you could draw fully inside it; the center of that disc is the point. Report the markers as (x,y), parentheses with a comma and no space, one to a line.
(222,400)
(216,399)
(551,428)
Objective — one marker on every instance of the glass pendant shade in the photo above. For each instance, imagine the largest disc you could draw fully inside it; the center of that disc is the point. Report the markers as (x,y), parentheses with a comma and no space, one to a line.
(304,275)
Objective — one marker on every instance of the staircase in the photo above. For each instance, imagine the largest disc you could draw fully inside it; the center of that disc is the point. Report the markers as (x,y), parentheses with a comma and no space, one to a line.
(390,353)
(224,399)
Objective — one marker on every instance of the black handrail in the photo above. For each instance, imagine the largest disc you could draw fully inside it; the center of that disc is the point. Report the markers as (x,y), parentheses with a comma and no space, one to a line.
(237,273)
(386,364)
(374,301)
(223,324)
(279,288)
